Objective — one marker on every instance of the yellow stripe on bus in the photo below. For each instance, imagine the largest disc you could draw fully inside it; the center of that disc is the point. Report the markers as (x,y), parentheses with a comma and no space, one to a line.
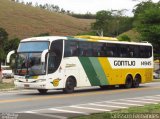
(118,76)
(106,67)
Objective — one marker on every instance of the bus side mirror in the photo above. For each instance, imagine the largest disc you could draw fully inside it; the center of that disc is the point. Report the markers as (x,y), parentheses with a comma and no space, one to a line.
(9,55)
(43,55)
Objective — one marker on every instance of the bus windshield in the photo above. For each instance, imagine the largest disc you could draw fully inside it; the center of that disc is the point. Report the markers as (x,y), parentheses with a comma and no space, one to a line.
(31,46)
(28,58)
(29,64)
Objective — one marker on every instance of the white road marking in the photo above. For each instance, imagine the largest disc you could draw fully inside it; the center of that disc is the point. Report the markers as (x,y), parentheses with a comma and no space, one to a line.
(110,103)
(137,101)
(152,83)
(29,112)
(153,100)
(69,111)
(89,108)
(153,97)
(52,116)
(157,95)
(107,105)
(123,103)
(46,115)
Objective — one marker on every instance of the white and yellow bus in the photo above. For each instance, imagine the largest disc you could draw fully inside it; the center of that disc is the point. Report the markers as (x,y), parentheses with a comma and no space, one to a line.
(53,62)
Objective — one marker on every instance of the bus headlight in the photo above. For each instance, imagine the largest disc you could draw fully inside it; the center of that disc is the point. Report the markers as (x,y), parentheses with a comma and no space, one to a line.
(40,80)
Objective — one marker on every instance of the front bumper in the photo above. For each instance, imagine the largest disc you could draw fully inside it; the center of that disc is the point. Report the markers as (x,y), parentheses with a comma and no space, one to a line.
(41,85)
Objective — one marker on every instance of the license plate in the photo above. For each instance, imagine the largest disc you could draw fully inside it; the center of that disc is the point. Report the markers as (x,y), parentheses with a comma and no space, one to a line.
(26,85)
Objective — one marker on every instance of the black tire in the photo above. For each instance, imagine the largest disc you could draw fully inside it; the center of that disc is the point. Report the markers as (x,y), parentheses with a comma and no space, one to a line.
(42,91)
(128,82)
(136,83)
(70,85)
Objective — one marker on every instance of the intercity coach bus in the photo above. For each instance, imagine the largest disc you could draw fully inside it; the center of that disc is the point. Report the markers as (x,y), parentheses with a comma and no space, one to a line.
(55,62)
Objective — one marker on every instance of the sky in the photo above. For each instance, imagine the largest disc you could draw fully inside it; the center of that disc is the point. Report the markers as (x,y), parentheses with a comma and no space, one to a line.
(92,6)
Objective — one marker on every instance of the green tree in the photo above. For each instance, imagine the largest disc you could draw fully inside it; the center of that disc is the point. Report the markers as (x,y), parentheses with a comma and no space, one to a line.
(124,37)
(1,56)
(11,45)
(102,21)
(3,36)
(111,23)
(119,23)
(3,39)
(147,22)
(6,45)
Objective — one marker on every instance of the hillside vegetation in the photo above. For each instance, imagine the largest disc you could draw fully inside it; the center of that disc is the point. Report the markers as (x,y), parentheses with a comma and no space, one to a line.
(26,21)
(132,34)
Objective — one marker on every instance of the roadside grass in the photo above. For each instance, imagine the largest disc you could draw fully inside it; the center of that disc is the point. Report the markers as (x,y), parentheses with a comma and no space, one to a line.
(147,109)
(6,85)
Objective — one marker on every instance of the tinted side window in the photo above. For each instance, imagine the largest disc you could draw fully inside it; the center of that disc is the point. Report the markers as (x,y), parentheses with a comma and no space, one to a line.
(55,55)
(71,48)
(149,50)
(133,51)
(123,51)
(111,50)
(136,51)
(145,51)
(57,47)
(96,48)
(104,50)
(52,63)
(85,49)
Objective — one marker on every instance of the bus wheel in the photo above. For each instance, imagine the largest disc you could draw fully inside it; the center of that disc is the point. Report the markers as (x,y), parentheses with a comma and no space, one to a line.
(136,82)
(42,91)
(70,84)
(128,83)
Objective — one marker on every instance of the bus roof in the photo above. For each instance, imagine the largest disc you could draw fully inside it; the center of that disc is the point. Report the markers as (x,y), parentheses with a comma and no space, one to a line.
(97,38)
(84,38)
(44,38)
(109,40)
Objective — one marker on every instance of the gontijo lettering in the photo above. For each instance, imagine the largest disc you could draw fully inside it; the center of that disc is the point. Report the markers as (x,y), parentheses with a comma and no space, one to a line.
(124,63)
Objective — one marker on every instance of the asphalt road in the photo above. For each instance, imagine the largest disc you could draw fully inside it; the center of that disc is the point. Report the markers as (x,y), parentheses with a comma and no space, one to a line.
(56,104)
